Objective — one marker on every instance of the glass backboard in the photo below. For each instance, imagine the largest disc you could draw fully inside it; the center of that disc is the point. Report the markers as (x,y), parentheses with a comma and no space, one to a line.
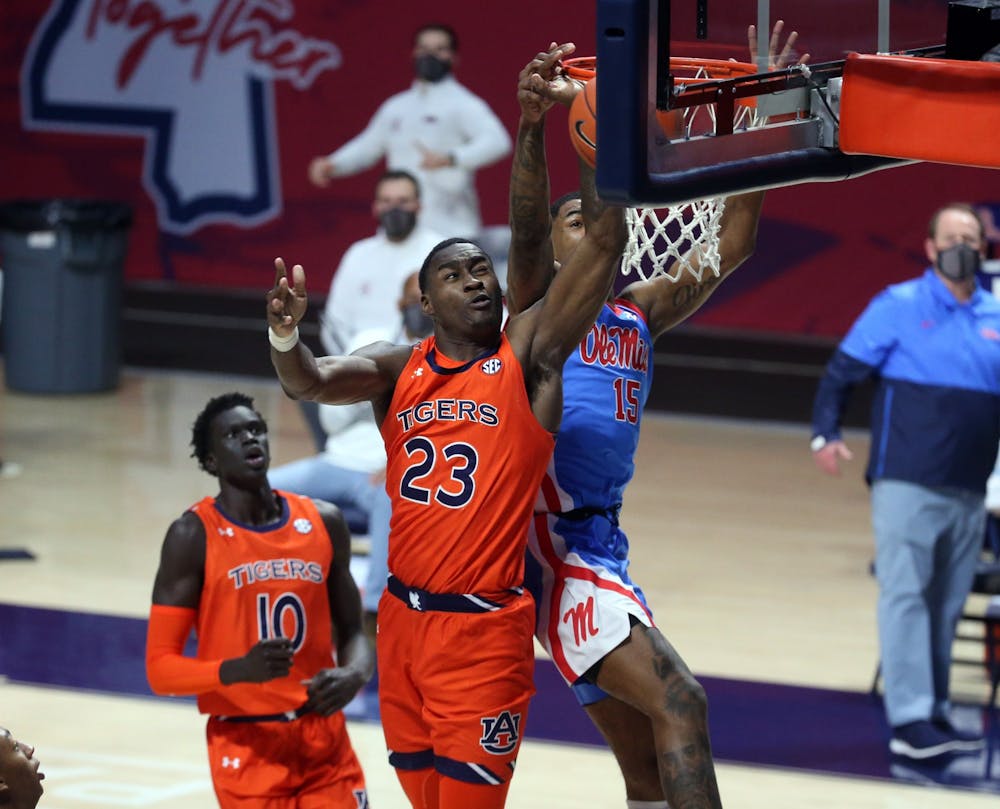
(638,163)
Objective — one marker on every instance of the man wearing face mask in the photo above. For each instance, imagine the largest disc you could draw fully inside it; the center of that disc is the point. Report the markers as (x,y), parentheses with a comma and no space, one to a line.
(933,345)
(416,324)
(366,286)
(437,130)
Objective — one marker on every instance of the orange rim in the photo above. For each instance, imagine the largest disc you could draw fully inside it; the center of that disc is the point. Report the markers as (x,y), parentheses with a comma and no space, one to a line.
(681,67)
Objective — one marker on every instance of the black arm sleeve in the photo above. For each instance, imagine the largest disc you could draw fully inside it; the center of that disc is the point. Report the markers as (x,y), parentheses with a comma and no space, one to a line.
(842,373)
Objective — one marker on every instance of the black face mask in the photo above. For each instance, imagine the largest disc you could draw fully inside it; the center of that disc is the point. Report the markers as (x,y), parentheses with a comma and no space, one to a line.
(416,323)
(398,223)
(430,68)
(958,263)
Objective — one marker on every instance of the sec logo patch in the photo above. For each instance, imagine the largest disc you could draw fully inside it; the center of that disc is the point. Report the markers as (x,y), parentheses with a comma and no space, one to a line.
(492,366)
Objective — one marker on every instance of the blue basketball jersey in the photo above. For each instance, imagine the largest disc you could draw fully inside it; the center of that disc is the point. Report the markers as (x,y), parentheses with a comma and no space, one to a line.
(577,565)
(605,385)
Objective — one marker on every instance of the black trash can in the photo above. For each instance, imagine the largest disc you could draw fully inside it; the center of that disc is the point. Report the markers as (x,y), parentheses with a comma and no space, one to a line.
(63,264)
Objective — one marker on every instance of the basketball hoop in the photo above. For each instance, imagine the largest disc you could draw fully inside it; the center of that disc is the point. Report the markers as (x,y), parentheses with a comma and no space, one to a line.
(669,241)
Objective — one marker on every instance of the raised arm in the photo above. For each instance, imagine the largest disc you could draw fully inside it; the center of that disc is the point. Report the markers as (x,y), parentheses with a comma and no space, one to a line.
(554,326)
(369,374)
(530,265)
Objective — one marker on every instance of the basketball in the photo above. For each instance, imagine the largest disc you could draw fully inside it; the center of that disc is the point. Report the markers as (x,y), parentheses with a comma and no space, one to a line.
(583,123)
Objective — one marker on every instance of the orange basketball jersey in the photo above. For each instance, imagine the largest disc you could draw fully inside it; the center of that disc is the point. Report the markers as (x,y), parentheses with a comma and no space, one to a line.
(265,582)
(466,455)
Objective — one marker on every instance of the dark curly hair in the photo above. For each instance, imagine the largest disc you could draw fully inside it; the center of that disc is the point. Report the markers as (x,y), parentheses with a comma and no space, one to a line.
(425,268)
(203,422)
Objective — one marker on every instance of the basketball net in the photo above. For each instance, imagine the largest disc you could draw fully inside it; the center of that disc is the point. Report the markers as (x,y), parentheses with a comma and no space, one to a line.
(667,242)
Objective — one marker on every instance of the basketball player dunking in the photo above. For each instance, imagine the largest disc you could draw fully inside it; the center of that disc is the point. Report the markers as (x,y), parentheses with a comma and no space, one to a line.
(467,417)
(592,619)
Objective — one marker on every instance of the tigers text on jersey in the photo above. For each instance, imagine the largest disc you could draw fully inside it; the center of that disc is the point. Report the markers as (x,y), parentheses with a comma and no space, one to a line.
(606,383)
(263,582)
(466,455)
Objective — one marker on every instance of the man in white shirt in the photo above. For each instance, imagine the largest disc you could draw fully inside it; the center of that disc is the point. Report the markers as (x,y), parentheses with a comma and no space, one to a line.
(365,288)
(437,130)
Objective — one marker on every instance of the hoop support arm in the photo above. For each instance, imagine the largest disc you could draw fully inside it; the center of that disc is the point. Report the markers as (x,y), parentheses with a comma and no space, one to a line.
(940,110)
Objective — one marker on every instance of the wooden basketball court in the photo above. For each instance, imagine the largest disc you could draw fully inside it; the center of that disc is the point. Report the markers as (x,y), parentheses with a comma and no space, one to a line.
(755,565)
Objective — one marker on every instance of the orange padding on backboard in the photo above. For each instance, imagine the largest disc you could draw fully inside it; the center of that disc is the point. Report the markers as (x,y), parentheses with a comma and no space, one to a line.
(941,110)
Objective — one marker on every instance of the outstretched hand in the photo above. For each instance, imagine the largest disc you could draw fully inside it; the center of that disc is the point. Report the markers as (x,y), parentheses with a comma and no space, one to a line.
(543,83)
(286,304)
(776,60)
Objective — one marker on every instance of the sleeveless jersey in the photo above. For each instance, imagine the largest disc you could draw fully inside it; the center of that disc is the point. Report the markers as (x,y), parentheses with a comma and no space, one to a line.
(606,383)
(465,458)
(263,582)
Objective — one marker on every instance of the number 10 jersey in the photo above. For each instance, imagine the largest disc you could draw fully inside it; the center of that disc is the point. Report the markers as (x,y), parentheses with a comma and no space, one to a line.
(465,458)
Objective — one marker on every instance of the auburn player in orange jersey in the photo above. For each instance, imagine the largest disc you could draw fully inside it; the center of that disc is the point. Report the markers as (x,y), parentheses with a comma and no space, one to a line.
(263,577)
(467,417)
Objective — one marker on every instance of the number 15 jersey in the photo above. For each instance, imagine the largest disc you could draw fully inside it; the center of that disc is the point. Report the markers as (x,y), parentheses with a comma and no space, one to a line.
(465,458)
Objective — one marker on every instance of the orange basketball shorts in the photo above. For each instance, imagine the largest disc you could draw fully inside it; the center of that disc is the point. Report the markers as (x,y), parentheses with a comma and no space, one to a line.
(454,687)
(305,764)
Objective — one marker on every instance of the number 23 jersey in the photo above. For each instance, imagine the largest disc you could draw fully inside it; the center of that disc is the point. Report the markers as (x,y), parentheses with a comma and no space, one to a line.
(465,458)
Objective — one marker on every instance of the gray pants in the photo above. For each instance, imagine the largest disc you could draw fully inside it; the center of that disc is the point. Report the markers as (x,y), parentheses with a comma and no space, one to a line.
(927,543)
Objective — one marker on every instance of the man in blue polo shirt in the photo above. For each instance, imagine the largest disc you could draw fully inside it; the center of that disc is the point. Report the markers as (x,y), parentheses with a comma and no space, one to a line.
(933,343)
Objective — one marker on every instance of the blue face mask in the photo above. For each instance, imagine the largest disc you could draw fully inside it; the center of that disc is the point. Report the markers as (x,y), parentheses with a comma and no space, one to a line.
(958,263)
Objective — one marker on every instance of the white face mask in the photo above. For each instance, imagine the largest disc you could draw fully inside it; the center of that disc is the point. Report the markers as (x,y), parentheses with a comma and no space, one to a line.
(958,263)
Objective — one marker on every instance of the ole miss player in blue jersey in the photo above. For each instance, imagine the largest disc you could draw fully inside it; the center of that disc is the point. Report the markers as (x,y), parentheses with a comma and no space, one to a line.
(592,619)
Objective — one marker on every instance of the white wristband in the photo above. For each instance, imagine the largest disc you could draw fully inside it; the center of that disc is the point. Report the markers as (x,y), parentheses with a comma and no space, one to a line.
(283,343)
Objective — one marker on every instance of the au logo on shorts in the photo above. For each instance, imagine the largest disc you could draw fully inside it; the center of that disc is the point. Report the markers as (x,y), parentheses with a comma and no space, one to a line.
(501,733)
(492,366)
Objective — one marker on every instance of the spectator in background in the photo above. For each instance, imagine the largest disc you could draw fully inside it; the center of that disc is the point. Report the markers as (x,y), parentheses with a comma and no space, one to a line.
(364,292)
(437,130)
(934,345)
(20,780)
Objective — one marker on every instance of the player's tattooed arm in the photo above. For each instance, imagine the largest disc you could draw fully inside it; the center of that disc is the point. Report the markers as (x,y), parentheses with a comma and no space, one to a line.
(530,261)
